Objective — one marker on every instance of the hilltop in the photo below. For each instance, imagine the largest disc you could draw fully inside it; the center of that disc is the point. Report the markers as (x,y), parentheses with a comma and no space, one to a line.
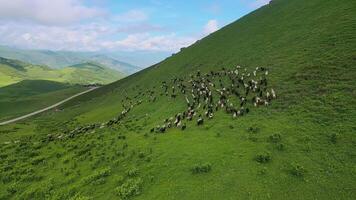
(13,71)
(300,146)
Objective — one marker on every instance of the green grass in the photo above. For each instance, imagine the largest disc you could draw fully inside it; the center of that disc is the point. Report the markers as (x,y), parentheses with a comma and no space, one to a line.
(300,147)
(13,71)
(31,95)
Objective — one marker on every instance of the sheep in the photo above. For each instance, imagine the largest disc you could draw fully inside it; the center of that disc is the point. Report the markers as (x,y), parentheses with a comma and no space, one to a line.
(200,121)
(273,94)
(162,129)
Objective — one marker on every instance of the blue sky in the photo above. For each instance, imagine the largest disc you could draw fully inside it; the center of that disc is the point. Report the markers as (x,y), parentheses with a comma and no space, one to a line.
(115,25)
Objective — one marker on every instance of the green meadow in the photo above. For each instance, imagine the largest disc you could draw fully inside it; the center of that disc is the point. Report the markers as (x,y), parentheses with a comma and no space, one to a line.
(301,146)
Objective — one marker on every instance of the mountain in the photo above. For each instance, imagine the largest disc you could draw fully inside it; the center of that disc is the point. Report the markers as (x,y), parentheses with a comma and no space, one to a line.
(91,72)
(13,71)
(301,145)
(115,64)
(60,59)
(31,95)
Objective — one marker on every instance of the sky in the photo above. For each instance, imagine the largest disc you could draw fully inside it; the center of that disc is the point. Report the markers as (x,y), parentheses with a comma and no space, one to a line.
(115,25)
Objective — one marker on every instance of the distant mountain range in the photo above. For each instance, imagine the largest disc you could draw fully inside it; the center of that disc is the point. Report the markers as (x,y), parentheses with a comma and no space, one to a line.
(13,71)
(61,59)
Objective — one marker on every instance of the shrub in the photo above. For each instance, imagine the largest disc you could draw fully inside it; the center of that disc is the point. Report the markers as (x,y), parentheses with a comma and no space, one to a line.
(275,138)
(130,188)
(121,137)
(280,147)
(13,188)
(119,180)
(201,168)
(297,170)
(333,138)
(263,157)
(132,172)
(125,145)
(262,171)
(253,129)
(253,138)
(141,155)
(100,174)
(37,160)
(79,197)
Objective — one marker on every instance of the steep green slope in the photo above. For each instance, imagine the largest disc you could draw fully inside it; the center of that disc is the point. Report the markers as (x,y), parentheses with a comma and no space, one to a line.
(13,71)
(302,146)
(31,95)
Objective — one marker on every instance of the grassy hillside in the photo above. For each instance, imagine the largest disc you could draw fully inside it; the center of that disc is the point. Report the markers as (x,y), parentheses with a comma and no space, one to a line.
(301,146)
(31,95)
(13,71)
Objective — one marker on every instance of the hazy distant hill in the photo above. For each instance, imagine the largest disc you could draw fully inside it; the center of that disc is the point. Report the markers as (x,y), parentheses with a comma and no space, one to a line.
(13,71)
(115,64)
(60,59)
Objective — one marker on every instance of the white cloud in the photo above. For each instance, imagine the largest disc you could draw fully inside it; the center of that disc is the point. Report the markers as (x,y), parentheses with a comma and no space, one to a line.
(83,37)
(89,37)
(132,16)
(140,28)
(133,42)
(98,36)
(48,12)
(211,27)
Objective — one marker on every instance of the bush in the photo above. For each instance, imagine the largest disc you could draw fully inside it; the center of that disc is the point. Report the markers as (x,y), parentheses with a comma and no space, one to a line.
(130,188)
(263,157)
(297,170)
(13,188)
(262,171)
(80,197)
(280,147)
(201,168)
(141,155)
(37,160)
(253,129)
(333,138)
(275,138)
(97,175)
(132,172)
(119,180)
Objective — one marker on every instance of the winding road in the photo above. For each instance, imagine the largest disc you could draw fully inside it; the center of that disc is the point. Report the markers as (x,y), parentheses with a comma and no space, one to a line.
(47,108)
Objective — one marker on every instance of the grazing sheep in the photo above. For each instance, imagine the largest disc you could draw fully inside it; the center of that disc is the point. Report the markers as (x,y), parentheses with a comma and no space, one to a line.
(273,93)
(162,129)
(200,121)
